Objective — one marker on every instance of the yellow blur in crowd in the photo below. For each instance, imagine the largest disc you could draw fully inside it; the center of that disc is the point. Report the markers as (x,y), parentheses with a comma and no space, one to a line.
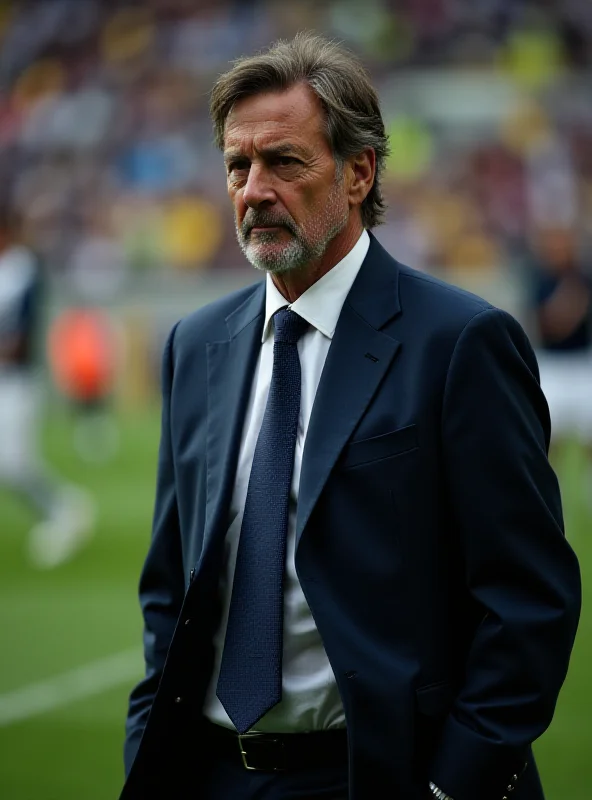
(108,121)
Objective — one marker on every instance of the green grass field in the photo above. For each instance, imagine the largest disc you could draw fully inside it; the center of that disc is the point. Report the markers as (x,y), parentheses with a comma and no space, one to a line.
(52,623)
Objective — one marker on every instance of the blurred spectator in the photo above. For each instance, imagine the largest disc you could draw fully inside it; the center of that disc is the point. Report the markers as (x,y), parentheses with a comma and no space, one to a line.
(83,353)
(192,231)
(66,512)
(97,267)
(562,311)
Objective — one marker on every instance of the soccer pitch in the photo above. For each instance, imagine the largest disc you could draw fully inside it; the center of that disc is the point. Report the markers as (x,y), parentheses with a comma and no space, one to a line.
(71,637)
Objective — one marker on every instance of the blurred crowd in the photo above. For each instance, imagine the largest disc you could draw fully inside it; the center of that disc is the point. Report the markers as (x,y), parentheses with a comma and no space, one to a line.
(106,145)
(109,177)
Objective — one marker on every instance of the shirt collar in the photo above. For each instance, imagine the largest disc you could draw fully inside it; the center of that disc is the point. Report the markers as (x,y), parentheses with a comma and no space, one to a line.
(321,304)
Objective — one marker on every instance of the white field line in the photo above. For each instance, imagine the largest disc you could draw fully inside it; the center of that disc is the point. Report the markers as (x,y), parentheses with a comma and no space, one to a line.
(76,684)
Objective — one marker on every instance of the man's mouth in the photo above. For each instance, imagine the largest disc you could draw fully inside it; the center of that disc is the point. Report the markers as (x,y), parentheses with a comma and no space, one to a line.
(264,228)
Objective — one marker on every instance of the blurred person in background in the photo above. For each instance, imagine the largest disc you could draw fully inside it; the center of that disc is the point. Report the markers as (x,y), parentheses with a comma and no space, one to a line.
(562,317)
(66,512)
(82,351)
(84,342)
(358,584)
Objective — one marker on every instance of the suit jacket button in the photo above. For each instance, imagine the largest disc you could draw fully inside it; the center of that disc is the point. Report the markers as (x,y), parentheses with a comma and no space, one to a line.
(188,621)
(178,700)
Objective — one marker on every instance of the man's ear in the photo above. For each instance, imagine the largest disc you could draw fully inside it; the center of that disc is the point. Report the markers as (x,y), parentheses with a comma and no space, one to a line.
(362,170)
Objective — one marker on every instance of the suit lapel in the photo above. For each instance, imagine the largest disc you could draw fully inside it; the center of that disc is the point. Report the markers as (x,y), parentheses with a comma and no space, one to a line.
(359,357)
(231,366)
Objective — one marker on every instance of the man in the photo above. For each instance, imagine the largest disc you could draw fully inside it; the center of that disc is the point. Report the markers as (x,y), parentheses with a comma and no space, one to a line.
(65,513)
(376,480)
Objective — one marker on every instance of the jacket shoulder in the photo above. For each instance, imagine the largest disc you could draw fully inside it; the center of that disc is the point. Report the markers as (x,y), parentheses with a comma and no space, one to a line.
(209,321)
(444,300)
(448,315)
(437,303)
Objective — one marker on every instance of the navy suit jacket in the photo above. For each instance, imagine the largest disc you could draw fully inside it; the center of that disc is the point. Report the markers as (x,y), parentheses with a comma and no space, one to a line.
(429,539)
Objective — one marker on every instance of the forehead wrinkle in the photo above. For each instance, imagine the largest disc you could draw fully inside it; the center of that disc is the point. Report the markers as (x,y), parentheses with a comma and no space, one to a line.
(276,116)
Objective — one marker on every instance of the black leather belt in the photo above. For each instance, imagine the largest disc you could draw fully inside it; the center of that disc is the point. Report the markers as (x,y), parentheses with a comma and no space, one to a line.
(276,752)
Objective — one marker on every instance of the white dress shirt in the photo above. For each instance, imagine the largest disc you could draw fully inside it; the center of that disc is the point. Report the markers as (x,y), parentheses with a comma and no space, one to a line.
(310,699)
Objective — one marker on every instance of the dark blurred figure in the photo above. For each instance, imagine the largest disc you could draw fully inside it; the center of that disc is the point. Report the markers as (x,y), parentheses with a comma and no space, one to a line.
(562,306)
(66,513)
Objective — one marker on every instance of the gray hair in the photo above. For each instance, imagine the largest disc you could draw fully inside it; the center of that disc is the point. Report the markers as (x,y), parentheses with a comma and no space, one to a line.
(353,118)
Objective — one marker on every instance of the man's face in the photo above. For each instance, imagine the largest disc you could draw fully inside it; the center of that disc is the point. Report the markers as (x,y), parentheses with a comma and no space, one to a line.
(289,198)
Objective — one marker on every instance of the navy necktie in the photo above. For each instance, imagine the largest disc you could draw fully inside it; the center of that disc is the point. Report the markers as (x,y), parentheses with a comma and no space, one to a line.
(250,680)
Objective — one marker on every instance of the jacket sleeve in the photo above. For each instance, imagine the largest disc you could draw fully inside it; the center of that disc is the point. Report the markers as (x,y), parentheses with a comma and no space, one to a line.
(518,566)
(161,584)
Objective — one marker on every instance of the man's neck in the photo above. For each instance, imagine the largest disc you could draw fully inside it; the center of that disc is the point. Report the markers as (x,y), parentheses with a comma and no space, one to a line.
(293,283)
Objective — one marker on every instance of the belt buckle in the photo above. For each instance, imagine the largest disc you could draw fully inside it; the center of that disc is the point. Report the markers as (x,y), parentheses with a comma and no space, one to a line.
(245,756)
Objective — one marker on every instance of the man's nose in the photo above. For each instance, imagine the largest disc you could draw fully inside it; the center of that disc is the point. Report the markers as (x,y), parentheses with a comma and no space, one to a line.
(258,190)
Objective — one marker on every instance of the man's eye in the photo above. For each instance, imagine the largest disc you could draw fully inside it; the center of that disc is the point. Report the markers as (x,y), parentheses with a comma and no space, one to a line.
(286,161)
(237,167)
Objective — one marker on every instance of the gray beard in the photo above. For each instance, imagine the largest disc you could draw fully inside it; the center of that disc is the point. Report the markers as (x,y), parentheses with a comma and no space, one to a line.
(301,250)
(293,255)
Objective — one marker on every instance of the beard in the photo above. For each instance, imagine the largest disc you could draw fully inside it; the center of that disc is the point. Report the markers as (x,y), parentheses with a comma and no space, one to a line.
(306,244)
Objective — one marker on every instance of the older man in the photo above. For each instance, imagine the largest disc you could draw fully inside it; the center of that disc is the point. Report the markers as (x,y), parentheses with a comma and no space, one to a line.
(358,584)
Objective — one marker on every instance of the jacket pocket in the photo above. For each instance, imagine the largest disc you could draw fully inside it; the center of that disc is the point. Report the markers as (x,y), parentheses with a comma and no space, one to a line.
(386,445)
(434,699)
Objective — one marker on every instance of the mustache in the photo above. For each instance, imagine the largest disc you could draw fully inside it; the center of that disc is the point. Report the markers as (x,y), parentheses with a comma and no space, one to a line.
(265,219)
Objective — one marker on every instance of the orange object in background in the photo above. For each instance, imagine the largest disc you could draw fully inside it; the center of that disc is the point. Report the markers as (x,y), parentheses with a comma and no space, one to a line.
(82,354)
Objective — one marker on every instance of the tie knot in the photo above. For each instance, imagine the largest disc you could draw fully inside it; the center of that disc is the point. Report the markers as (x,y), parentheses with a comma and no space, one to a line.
(288,326)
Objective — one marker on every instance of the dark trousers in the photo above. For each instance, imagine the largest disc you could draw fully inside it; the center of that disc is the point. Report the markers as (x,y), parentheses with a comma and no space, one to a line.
(227,780)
